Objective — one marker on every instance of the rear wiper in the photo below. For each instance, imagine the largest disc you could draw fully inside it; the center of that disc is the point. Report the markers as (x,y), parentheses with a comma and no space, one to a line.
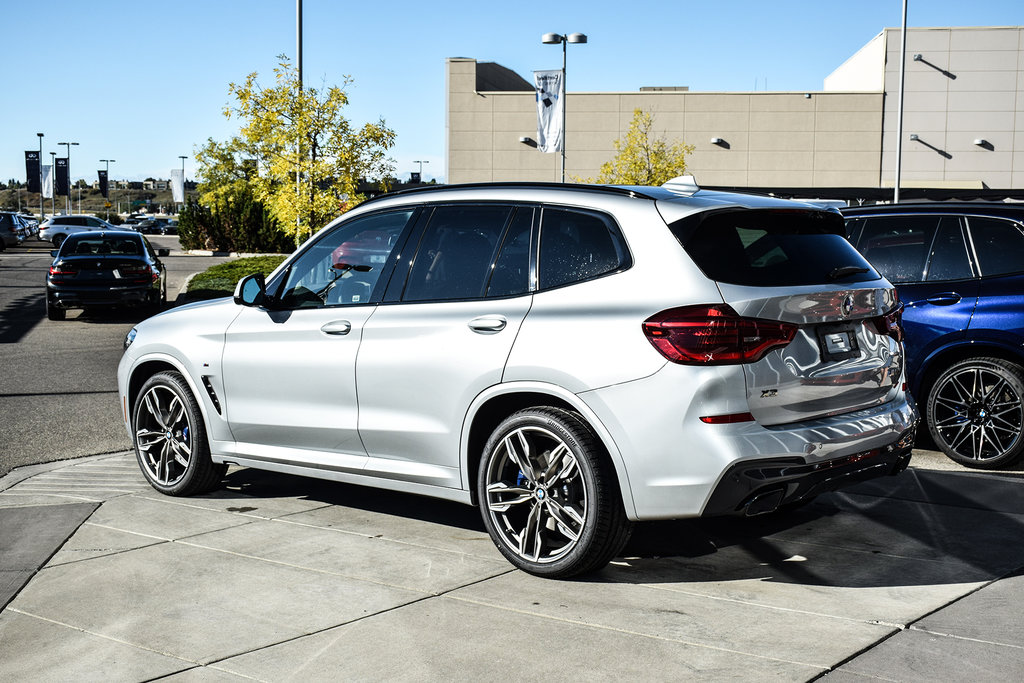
(846,271)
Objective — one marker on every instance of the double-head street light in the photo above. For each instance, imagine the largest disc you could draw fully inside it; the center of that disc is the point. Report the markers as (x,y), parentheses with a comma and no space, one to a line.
(68,198)
(554,39)
(108,162)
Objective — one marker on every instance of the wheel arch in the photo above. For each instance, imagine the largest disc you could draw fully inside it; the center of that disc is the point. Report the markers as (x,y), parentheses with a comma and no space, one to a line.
(944,358)
(145,369)
(495,404)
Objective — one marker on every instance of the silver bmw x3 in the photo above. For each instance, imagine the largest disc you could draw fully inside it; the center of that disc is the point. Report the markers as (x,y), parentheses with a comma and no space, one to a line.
(569,358)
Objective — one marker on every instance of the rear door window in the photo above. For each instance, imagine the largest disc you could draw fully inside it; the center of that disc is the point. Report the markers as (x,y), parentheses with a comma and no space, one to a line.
(772,248)
(999,245)
(899,246)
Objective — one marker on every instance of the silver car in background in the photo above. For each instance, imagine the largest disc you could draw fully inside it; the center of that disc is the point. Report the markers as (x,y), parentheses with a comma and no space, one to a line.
(569,358)
(56,229)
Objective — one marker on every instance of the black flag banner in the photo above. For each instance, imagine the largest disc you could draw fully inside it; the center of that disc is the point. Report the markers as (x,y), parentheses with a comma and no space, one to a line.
(62,183)
(32,170)
(103,183)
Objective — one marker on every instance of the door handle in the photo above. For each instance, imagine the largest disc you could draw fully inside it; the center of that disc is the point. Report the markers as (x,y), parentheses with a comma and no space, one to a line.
(337,327)
(488,324)
(944,299)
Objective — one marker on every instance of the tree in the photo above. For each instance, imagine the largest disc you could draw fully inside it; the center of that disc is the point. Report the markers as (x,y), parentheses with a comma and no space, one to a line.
(643,159)
(296,150)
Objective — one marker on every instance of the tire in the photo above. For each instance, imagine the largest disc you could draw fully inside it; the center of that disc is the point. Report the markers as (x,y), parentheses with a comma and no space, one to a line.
(974,412)
(170,438)
(58,240)
(53,312)
(552,517)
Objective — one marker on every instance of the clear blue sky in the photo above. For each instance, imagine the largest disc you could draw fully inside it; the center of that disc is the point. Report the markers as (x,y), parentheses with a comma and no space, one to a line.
(144,82)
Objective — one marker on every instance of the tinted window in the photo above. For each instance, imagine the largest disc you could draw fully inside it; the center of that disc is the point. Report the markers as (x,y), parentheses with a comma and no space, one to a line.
(772,248)
(577,245)
(511,274)
(343,266)
(999,245)
(899,246)
(949,259)
(454,257)
(115,246)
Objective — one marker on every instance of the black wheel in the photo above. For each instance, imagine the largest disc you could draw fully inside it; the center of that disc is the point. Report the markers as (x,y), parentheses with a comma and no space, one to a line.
(54,312)
(57,241)
(170,438)
(974,412)
(549,496)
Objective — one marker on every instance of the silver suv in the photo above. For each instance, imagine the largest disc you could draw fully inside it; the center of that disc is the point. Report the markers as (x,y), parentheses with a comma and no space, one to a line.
(569,358)
(57,228)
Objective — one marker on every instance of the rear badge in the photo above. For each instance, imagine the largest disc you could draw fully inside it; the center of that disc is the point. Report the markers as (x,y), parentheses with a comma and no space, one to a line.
(847,305)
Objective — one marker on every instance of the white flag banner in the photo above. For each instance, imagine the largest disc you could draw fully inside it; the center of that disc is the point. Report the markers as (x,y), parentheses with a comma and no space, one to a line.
(48,182)
(178,185)
(550,87)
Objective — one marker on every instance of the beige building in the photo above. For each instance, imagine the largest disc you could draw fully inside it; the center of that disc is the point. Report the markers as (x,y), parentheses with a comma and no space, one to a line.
(963,128)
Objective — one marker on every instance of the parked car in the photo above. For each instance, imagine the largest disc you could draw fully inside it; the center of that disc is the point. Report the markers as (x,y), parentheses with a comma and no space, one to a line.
(959,271)
(151,226)
(569,358)
(57,228)
(117,268)
(170,227)
(12,230)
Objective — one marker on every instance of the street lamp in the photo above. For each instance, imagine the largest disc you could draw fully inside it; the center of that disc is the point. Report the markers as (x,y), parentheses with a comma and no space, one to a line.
(108,162)
(421,168)
(554,39)
(68,199)
(42,215)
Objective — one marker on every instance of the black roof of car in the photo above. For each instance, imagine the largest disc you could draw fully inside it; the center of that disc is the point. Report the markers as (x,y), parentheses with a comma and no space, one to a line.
(960,208)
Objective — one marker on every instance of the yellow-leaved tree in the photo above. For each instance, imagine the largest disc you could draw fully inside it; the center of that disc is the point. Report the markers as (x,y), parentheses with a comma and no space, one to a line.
(641,158)
(296,151)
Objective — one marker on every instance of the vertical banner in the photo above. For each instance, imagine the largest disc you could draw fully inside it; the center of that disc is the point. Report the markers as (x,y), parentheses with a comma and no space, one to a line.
(550,86)
(178,185)
(48,182)
(32,170)
(61,185)
(104,188)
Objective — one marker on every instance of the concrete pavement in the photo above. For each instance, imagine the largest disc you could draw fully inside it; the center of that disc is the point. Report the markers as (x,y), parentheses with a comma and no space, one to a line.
(915,578)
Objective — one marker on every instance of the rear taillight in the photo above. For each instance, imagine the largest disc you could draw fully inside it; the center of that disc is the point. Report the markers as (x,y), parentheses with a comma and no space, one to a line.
(140,273)
(714,335)
(890,324)
(63,270)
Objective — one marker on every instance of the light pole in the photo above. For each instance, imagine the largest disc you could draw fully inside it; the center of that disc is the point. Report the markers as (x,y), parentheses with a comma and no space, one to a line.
(421,168)
(53,178)
(554,39)
(68,199)
(106,200)
(41,214)
(182,157)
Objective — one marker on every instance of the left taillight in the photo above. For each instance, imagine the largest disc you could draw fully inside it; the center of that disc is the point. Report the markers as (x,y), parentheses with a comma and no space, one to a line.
(714,334)
(63,270)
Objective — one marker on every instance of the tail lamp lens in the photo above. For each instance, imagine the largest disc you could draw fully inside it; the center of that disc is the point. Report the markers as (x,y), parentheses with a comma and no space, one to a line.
(714,335)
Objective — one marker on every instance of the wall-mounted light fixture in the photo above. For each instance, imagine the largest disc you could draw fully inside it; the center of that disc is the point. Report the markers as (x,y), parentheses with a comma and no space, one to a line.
(807,95)
(913,136)
(724,144)
(527,140)
(920,58)
(941,152)
(984,144)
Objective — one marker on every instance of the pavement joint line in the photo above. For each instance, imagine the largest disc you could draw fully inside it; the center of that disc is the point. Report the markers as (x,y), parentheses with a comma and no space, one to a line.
(101,635)
(126,531)
(630,632)
(966,638)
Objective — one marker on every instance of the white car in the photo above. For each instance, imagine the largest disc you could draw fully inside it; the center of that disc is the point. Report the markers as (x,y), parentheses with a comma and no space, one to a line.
(569,358)
(56,228)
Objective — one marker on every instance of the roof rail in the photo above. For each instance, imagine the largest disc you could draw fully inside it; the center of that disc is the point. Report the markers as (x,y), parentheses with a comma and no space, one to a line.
(572,187)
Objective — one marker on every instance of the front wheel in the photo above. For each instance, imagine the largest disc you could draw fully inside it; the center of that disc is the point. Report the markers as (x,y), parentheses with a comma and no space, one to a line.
(549,496)
(974,412)
(170,438)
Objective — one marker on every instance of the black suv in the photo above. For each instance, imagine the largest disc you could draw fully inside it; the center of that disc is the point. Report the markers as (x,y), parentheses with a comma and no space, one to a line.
(959,271)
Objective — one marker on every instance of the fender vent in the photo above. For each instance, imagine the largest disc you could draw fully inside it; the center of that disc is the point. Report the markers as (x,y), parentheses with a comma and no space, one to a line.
(211,393)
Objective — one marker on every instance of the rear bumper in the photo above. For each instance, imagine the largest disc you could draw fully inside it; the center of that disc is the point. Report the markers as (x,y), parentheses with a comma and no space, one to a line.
(83,298)
(754,487)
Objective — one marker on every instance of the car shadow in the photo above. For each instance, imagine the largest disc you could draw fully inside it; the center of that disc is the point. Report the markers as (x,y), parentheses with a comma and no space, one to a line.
(920,528)
(20,316)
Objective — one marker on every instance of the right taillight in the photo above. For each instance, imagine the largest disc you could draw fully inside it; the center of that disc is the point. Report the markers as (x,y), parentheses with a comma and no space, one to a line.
(890,324)
(714,335)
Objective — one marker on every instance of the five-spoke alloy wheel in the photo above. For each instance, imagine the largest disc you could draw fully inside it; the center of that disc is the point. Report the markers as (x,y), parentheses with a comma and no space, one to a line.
(549,496)
(975,414)
(170,438)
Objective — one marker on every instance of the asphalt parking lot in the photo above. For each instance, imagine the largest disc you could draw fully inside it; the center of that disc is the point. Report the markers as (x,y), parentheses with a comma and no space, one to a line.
(275,577)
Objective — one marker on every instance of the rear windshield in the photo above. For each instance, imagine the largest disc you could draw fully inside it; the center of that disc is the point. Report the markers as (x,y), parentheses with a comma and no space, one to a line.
(772,247)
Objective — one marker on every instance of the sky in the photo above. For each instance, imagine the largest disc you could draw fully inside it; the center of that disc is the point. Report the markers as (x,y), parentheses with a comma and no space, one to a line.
(145,82)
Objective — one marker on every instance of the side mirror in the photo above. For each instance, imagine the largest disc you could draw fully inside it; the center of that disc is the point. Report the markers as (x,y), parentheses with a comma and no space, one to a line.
(251,290)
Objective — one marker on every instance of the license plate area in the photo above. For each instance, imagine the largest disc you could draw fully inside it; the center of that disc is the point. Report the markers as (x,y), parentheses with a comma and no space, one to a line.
(838,341)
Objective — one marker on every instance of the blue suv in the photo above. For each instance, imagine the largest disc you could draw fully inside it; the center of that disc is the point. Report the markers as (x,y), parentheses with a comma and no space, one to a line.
(959,271)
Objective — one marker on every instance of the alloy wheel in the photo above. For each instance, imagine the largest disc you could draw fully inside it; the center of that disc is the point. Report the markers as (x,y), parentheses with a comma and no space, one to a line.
(163,435)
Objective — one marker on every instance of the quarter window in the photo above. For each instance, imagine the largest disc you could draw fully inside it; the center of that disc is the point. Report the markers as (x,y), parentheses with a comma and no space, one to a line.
(343,266)
(999,244)
(578,245)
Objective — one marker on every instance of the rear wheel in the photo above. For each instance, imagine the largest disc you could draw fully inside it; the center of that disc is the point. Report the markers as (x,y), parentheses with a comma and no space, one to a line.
(975,415)
(170,438)
(58,240)
(54,312)
(549,496)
